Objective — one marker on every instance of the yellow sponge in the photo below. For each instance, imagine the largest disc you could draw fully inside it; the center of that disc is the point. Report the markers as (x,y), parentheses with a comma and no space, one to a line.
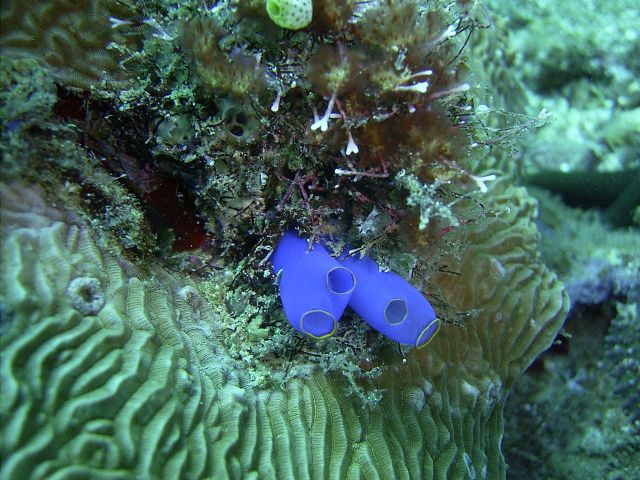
(290,14)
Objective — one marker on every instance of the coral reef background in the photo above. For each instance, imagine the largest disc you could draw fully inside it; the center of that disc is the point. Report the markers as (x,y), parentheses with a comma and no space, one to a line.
(575,413)
(152,155)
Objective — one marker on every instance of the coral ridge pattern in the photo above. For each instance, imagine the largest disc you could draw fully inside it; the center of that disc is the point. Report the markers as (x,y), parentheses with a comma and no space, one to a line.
(141,387)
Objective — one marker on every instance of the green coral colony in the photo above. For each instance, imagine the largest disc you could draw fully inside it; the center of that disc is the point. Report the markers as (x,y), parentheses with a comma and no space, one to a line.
(153,155)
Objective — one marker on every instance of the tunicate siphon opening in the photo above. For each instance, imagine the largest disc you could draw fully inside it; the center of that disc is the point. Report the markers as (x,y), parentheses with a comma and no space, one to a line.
(340,281)
(396,311)
(428,333)
(318,323)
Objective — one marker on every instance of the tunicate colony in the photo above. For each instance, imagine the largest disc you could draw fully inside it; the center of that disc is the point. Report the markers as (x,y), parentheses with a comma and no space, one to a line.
(316,288)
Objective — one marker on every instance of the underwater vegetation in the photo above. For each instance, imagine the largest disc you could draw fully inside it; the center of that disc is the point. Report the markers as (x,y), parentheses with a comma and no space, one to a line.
(192,191)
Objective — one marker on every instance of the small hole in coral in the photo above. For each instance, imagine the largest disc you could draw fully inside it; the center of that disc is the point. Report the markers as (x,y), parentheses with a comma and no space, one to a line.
(236,130)
(87,293)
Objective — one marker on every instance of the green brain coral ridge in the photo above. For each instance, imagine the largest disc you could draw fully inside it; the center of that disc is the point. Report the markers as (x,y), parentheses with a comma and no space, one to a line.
(110,372)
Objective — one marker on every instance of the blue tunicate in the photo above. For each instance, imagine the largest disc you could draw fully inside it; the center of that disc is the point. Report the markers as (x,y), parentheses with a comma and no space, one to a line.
(390,304)
(314,286)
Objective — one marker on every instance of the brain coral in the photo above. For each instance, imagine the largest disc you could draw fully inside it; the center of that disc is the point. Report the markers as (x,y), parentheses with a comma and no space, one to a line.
(138,386)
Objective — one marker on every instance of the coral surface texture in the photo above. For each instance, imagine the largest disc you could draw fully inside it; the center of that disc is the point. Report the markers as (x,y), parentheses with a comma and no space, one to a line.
(319,239)
(111,372)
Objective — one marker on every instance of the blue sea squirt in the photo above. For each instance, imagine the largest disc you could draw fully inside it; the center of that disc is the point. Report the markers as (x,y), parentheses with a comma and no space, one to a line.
(390,304)
(315,289)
